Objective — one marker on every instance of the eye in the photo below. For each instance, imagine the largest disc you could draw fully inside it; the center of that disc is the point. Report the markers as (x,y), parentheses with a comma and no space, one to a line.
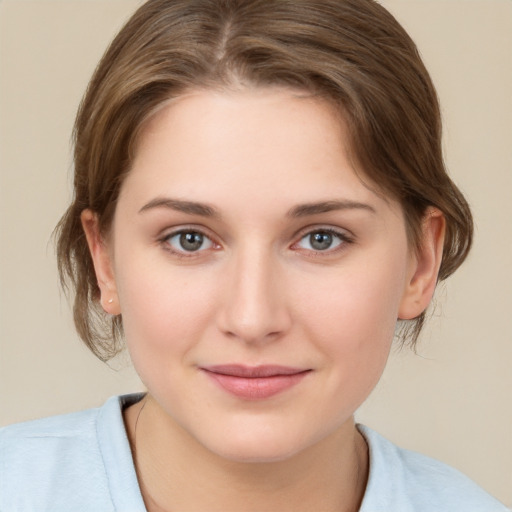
(322,240)
(188,241)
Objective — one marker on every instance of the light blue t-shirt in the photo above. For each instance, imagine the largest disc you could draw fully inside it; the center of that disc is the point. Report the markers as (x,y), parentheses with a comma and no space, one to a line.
(82,462)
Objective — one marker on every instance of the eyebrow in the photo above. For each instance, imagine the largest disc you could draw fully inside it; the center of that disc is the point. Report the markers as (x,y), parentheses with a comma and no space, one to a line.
(301,210)
(190,207)
(304,210)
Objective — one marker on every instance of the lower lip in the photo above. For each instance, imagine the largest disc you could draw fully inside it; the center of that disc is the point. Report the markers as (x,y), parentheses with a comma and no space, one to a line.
(257,388)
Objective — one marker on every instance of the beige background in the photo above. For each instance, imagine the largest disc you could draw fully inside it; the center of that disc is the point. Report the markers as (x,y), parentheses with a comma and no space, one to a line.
(453,401)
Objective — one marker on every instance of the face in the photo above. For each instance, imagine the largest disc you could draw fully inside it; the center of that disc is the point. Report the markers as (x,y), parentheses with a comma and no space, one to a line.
(258,278)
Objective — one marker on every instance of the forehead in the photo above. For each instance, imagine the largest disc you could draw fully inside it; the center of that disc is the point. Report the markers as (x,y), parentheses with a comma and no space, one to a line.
(273,143)
(221,116)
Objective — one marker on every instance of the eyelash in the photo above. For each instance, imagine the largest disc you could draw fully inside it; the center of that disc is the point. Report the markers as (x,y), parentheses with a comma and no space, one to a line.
(343,237)
(165,241)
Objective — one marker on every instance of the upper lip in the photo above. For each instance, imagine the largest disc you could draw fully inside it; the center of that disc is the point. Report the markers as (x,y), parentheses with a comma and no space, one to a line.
(253,372)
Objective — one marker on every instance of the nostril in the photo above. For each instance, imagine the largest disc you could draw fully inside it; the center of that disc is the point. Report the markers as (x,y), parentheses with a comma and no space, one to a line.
(254,332)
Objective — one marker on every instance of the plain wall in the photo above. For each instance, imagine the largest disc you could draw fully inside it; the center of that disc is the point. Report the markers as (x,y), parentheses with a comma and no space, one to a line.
(452,401)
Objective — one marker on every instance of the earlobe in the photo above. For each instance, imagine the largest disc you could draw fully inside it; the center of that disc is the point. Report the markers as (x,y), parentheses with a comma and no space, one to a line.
(102,262)
(424,268)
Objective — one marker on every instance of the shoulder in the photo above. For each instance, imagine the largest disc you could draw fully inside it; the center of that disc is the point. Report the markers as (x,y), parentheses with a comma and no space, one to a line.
(77,423)
(36,445)
(56,463)
(402,480)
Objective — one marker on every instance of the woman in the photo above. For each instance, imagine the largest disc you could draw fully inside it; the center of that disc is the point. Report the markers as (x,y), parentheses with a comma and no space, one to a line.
(259,196)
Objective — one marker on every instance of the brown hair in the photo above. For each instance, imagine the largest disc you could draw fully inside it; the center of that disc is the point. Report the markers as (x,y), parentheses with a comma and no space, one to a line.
(352,52)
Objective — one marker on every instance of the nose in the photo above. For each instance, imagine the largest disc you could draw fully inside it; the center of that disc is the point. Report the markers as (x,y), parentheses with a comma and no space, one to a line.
(254,308)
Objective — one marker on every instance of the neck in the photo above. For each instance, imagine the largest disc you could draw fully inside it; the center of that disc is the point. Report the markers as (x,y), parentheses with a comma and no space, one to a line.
(178,473)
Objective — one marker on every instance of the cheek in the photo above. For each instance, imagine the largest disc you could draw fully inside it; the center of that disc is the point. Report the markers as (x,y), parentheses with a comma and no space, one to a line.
(164,311)
(356,299)
(353,315)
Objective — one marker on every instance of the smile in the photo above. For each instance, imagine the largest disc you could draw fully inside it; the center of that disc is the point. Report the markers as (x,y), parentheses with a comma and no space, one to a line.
(255,383)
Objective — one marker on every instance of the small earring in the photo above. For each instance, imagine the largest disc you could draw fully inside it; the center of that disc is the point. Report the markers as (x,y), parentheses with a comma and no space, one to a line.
(110,301)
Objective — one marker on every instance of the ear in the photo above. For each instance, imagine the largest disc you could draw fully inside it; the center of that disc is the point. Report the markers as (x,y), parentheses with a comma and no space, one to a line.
(424,266)
(102,261)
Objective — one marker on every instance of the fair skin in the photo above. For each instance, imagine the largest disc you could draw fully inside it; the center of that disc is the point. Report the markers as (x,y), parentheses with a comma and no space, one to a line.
(243,236)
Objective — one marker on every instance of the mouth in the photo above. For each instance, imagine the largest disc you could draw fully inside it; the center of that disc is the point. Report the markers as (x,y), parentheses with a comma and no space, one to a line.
(255,382)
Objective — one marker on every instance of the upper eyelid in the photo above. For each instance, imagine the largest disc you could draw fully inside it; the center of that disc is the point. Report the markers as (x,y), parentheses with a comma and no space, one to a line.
(345,238)
(164,242)
(170,232)
(167,234)
(342,232)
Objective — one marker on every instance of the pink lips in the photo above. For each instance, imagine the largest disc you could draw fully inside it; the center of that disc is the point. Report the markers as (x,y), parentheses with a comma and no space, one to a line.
(257,382)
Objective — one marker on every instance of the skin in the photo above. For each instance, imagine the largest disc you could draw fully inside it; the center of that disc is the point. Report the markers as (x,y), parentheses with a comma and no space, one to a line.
(257,291)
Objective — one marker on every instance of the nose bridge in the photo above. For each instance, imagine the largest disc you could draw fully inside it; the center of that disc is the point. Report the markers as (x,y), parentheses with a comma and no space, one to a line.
(254,309)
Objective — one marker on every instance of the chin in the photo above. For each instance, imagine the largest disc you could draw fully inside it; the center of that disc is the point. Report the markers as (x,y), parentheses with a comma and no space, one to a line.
(264,445)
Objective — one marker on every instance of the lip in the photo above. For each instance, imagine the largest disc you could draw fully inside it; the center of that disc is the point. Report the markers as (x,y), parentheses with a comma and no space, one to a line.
(255,382)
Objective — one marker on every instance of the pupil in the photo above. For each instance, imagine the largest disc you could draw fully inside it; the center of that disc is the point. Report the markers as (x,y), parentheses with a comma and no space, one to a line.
(321,241)
(191,241)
